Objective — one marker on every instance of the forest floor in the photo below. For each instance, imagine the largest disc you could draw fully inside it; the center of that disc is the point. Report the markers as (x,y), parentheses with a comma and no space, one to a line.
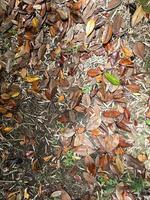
(74,100)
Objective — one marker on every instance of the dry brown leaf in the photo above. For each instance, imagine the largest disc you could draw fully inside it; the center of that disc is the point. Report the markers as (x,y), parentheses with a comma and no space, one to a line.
(90,26)
(117,24)
(126,62)
(90,164)
(137,16)
(119,164)
(107,33)
(138,49)
(94,123)
(111,113)
(41,51)
(93,72)
(23,72)
(65,195)
(113,4)
(133,88)
(86,100)
(111,142)
(89,178)
(3,110)
(127,51)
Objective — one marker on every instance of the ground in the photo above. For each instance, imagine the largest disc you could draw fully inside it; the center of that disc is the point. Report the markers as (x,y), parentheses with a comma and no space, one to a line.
(74,100)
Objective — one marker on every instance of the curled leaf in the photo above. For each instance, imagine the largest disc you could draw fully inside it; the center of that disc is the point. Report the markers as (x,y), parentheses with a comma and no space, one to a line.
(112,79)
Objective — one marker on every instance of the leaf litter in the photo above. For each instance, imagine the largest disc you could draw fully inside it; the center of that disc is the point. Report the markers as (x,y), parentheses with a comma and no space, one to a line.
(73,87)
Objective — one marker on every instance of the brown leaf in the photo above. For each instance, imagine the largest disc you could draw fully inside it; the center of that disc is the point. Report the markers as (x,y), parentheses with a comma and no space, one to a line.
(103,162)
(117,23)
(111,142)
(113,4)
(65,196)
(126,51)
(107,33)
(63,13)
(86,100)
(41,51)
(126,62)
(111,113)
(133,162)
(138,49)
(137,16)
(93,72)
(133,87)
(119,164)
(89,178)
(94,123)
(89,163)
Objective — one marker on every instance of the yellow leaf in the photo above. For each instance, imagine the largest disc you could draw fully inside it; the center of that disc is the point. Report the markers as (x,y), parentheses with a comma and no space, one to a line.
(8,115)
(26,194)
(137,16)
(15,94)
(127,51)
(35,22)
(119,164)
(32,78)
(7,129)
(61,98)
(90,26)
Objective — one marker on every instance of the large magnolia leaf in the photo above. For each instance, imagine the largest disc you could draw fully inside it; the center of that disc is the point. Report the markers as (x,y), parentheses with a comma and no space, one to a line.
(137,16)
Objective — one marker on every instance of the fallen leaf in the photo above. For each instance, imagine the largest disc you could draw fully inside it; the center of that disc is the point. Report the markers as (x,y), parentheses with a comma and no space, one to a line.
(47,158)
(94,123)
(65,196)
(5,96)
(26,194)
(56,193)
(103,162)
(3,110)
(119,164)
(117,24)
(93,72)
(111,113)
(23,72)
(90,164)
(35,22)
(138,49)
(63,13)
(126,61)
(113,4)
(137,16)
(96,132)
(32,78)
(126,51)
(86,100)
(90,26)
(133,88)
(7,129)
(61,98)
(112,78)
(111,142)
(142,157)
(89,178)
(107,33)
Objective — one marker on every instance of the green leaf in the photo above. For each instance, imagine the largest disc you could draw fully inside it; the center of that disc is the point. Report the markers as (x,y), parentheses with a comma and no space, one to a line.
(147,122)
(112,78)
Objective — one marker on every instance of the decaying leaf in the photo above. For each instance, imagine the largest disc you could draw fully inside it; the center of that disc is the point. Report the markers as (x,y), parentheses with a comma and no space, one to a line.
(93,72)
(111,142)
(107,33)
(117,24)
(137,16)
(138,49)
(90,26)
(94,123)
(65,195)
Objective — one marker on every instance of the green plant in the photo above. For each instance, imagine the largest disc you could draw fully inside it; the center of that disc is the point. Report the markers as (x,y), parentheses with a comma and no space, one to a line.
(69,159)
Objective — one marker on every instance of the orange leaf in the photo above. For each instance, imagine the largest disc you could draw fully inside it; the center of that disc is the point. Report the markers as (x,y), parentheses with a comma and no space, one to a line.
(107,33)
(111,113)
(96,132)
(3,110)
(93,72)
(126,62)
(7,129)
(111,142)
(127,51)
(61,98)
